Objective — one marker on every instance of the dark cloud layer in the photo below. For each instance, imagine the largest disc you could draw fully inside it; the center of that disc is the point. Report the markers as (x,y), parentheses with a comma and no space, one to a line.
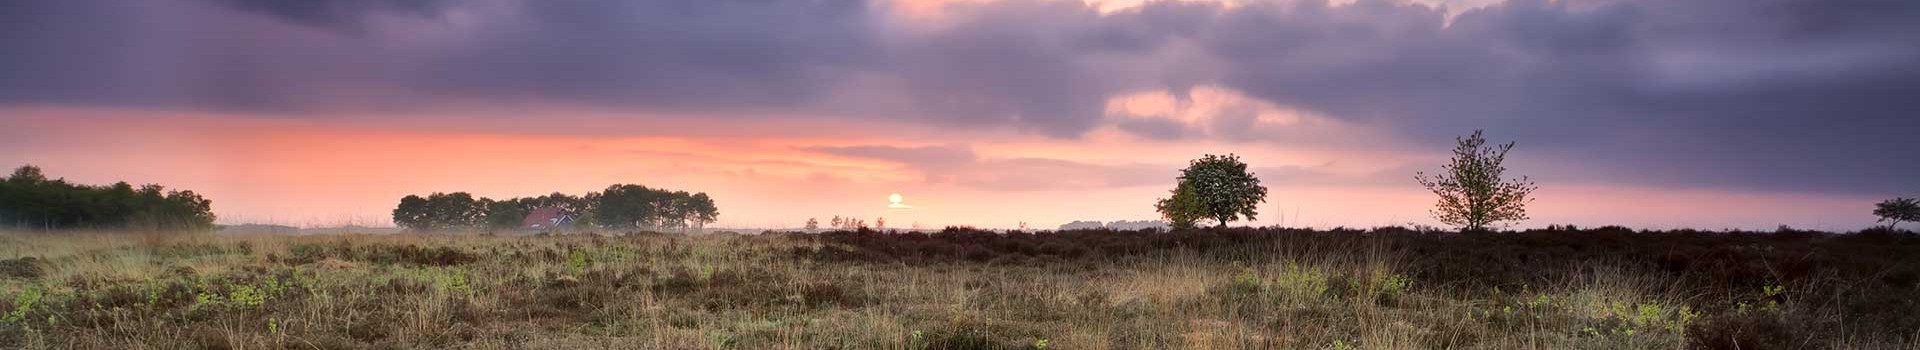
(958,164)
(345,15)
(1794,95)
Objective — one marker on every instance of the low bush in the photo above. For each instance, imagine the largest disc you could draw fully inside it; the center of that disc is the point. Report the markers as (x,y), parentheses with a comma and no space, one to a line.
(22,268)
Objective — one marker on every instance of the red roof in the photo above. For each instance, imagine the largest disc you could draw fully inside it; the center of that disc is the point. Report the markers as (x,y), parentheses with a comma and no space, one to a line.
(545,218)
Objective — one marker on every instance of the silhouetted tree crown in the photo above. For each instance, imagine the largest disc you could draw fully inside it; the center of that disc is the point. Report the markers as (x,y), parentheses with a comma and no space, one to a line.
(1218,188)
(1473,192)
(441,212)
(1894,211)
(619,206)
(29,200)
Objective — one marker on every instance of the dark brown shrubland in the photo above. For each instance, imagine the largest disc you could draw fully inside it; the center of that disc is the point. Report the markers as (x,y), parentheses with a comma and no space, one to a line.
(964,289)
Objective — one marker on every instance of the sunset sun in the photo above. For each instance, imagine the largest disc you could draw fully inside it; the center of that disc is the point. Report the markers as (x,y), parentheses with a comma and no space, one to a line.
(895,201)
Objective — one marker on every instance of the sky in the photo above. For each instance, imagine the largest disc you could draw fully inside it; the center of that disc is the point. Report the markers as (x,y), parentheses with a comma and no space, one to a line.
(1648,113)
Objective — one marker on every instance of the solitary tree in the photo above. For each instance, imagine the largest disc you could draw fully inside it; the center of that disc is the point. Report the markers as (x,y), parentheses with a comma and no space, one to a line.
(813,224)
(1473,193)
(1893,211)
(1221,186)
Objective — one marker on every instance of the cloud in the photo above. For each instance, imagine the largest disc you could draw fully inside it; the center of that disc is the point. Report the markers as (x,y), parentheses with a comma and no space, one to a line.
(345,15)
(699,56)
(959,165)
(922,156)
(1790,95)
(1779,94)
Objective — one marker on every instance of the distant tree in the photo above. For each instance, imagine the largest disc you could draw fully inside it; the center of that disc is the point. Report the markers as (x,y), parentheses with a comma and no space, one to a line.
(1184,209)
(412,213)
(458,210)
(880,223)
(701,211)
(838,222)
(1473,192)
(568,204)
(587,209)
(636,206)
(813,224)
(630,206)
(509,213)
(442,212)
(176,210)
(677,210)
(27,174)
(28,199)
(1223,187)
(1893,211)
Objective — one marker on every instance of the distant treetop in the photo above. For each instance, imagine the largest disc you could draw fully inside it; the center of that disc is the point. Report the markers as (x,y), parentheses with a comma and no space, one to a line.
(29,200)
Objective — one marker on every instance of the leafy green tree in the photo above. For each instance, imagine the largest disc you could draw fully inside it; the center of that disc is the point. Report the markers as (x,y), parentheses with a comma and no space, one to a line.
(1224,188)
(509,213)
(442,212)
(701,210)
(636,206)
(177,210)
(1184,209)
(1893,211)
(412,213)
(676,209)
(620,206)
(27,174)
(1472,189)
(28,199)
(631,206)
(458,210)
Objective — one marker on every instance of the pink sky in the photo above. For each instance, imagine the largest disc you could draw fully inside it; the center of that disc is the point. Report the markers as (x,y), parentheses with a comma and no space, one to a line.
(349,170)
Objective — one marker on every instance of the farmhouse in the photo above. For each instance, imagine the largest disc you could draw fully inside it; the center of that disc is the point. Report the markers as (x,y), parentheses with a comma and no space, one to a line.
(546,218)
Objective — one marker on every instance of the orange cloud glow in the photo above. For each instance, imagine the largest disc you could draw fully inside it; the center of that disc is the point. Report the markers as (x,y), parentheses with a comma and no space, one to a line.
(348,170)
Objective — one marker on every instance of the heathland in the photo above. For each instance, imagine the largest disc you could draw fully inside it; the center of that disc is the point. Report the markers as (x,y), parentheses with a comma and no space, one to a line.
(1389,288)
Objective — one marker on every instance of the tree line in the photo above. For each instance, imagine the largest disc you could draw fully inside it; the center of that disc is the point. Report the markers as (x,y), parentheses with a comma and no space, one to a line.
(621,206)
(28,199)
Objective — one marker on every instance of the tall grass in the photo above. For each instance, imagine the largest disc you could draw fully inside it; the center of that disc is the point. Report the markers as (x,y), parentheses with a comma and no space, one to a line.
(1379,289)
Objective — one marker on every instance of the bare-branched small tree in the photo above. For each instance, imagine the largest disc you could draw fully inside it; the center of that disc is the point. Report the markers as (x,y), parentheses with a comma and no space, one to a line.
(1473,193)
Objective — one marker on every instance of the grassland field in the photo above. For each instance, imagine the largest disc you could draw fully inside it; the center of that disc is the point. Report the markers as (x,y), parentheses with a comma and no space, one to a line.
(1242,288)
